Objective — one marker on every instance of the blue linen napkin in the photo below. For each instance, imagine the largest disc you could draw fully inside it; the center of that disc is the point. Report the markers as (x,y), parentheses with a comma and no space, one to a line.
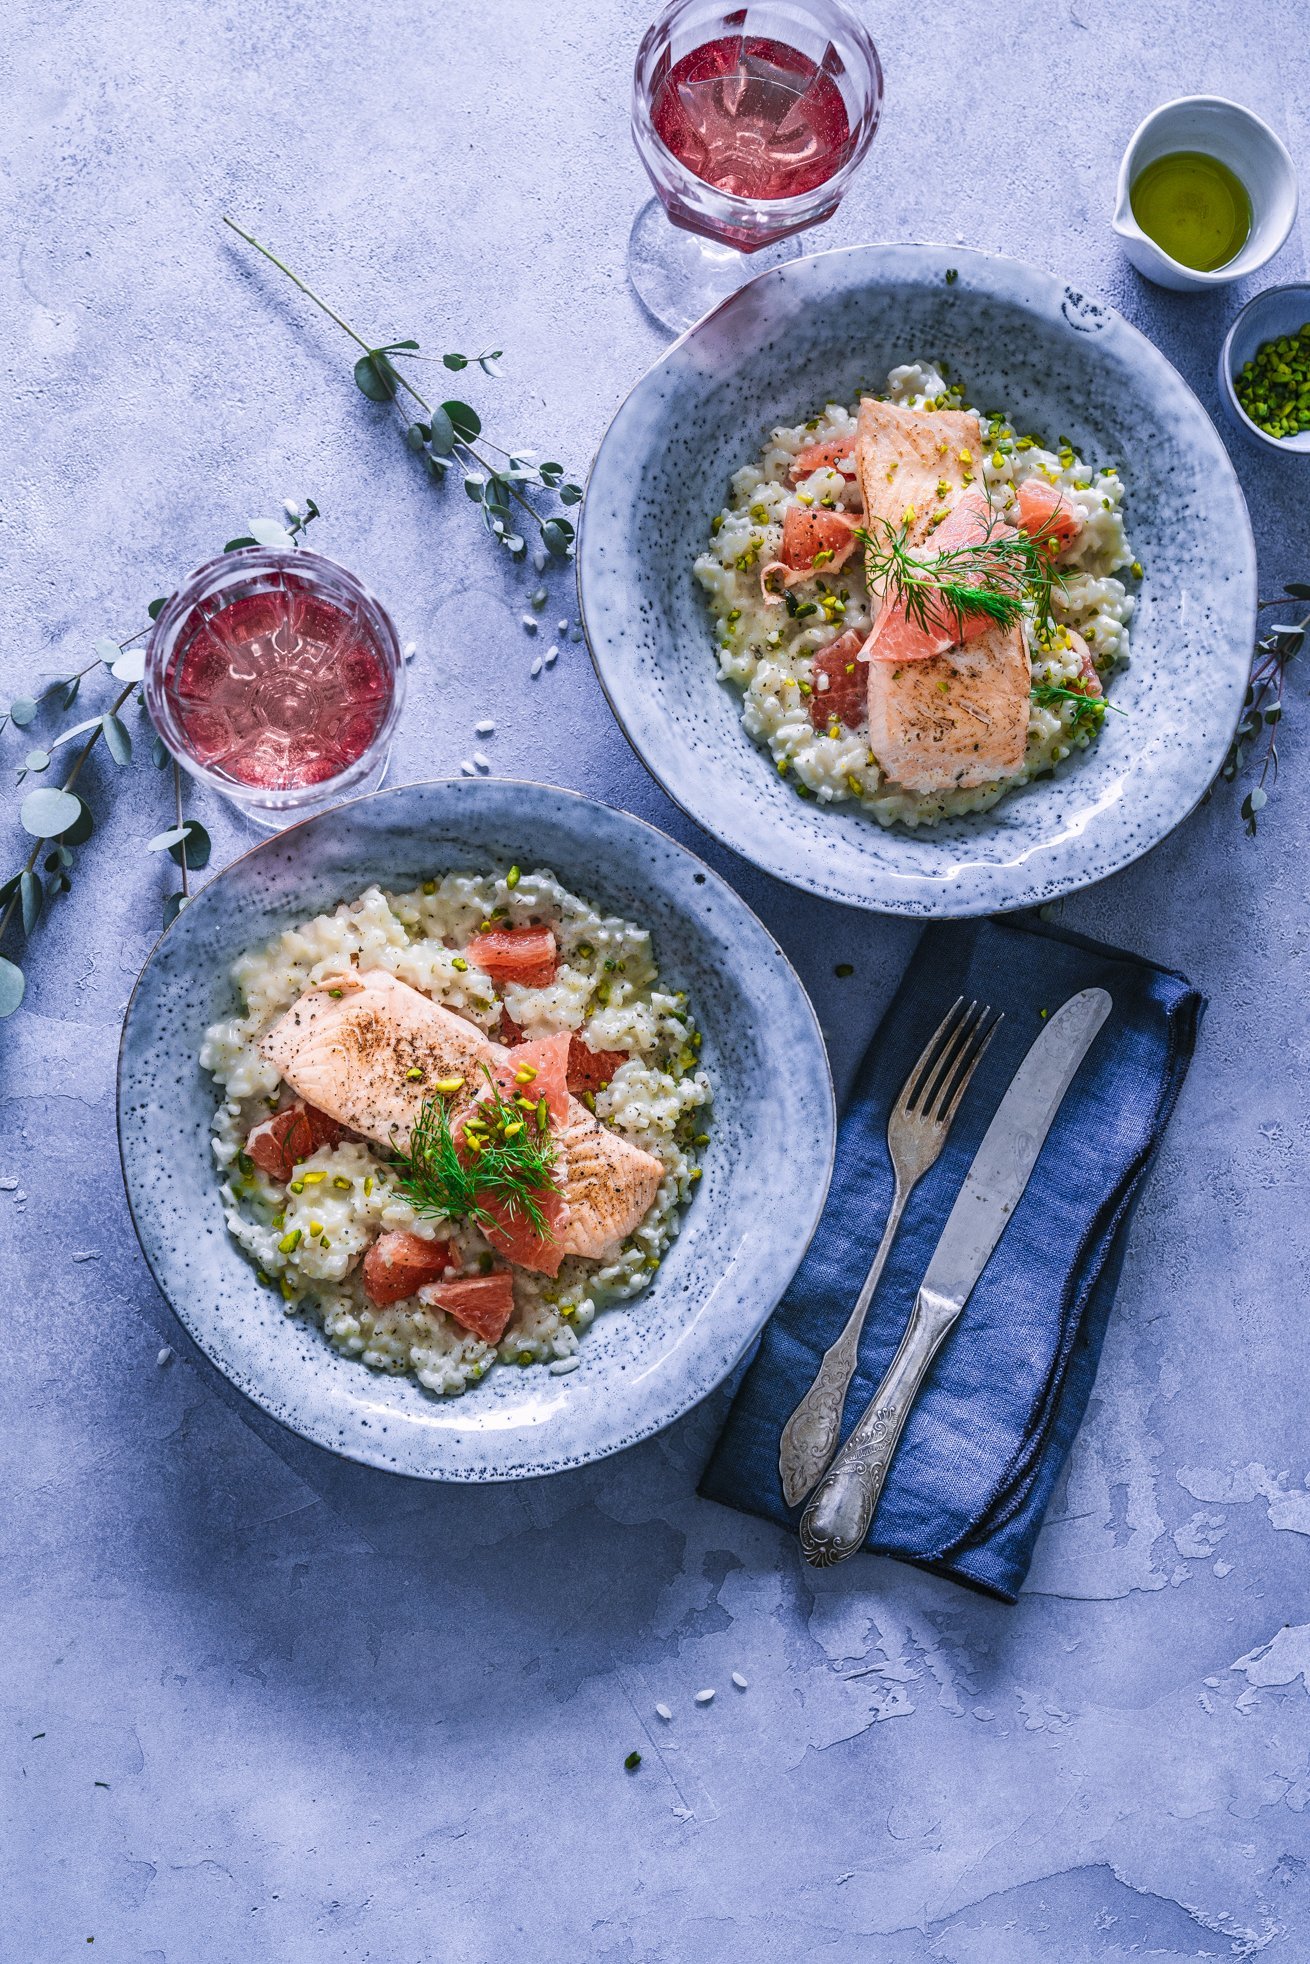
(996,1416)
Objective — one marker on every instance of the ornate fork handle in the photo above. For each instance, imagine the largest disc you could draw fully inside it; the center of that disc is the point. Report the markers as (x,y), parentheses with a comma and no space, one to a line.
(837,1519)
(811,1435)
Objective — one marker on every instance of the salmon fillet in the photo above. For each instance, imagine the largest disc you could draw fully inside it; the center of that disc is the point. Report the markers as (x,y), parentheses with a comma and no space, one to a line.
(352,1054)
(901,455)
(956,720)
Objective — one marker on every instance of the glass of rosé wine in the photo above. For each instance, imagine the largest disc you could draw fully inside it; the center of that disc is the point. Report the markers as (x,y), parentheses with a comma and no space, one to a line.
(750,121)
(275,678)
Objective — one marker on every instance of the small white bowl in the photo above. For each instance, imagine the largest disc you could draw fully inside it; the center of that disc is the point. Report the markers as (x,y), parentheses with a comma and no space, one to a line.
(1238,138)
(1279,310)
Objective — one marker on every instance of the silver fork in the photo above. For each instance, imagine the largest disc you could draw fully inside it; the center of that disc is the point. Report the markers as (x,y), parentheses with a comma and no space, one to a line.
(916,1132)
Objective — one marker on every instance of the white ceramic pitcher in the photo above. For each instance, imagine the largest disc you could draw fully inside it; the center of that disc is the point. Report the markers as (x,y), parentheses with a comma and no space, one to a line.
(1238,138)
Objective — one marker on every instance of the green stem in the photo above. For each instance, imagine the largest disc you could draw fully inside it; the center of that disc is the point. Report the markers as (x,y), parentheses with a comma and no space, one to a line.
(395,368)
(177,806)
(297,281)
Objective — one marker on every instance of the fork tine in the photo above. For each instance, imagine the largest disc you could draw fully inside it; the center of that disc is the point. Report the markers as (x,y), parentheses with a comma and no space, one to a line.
(982,1037)
(927,1057)
(950,1060)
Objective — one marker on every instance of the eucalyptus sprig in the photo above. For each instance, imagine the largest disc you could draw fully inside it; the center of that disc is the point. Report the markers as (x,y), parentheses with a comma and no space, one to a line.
(1262,710)
(57,817)
(447,434)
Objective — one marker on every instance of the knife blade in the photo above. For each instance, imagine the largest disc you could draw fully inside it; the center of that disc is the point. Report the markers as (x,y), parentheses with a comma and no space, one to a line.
(1003,1162)
(842,1506)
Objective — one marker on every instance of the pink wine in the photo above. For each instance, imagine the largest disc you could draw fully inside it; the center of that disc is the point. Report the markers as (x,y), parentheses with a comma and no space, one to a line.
(277,689)
(752,117)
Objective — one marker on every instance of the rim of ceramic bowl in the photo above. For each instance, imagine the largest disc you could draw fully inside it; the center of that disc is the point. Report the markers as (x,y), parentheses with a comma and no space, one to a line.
(1233,269)
(1280,446)
(687,1398)
(909,904)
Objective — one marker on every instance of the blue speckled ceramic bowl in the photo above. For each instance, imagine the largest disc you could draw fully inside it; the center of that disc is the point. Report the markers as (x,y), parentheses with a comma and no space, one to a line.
(813,332)
(766,1171)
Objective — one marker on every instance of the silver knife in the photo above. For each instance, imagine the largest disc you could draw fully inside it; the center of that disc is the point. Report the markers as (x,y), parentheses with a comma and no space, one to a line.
(841,1507)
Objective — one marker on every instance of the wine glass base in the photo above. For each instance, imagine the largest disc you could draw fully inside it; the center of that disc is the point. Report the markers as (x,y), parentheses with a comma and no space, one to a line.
(308,804)
(678,276)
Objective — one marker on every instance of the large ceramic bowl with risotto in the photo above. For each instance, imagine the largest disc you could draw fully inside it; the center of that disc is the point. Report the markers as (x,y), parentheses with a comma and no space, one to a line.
(1136,687)
(727,1082)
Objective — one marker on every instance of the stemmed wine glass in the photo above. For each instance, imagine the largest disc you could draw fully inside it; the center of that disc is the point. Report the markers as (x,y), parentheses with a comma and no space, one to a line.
(750,121)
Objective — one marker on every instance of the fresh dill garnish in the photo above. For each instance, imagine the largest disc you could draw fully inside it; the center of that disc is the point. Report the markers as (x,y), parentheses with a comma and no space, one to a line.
(1002,576)
(509,1160)
(1090,709)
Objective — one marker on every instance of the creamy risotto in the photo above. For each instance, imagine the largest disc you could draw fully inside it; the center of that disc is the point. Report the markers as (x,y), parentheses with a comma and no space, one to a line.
(768,651)
(308,1236)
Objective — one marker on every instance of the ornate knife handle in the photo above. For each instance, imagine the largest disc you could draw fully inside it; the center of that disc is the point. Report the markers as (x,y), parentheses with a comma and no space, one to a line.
(837,1519)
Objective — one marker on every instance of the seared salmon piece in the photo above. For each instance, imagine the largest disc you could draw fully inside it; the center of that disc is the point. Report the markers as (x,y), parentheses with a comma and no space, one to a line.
(837,454)
(398,1265)
(842,665)
(1047,516)
(955,720)
(515,954)
(369,1051)
(902,456)
(602,1187)
(482,1303)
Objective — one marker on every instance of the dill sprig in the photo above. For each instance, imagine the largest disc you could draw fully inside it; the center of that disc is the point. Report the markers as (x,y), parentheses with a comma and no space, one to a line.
(1090,709)
(1003,575)
(510,1160)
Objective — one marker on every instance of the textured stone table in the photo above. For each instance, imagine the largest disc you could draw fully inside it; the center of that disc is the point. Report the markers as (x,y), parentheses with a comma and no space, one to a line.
(258,1704)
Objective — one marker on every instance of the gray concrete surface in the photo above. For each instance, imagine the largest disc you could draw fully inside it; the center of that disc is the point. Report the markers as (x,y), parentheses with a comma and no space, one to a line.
(259,1705)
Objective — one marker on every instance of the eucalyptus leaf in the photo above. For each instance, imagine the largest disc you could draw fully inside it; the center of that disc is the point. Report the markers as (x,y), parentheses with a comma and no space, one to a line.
(1297,590)
(415,437)
(466,422)
(106,650)
(436,466)
(71,688)
(473,484)
(162,840)
(173,906)
(442,438)
(21,711)
(33,900)
(514,543)
(83,826)
(239,545)
(156,607)
(570,494)
(375,377)
(118,741)
(455,361)
(1256,798)
(11,986)
(393,347)
(557,537)
(487,362)
(57,860)
(551,473)
(9,888)
(270,532)
(36,760)
(130,667)
(49,814)
(197,843)
(159,751)
(75,730)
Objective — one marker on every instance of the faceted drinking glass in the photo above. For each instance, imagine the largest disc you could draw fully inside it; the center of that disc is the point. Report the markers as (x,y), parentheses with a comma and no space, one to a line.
(275,678)
(750,121)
